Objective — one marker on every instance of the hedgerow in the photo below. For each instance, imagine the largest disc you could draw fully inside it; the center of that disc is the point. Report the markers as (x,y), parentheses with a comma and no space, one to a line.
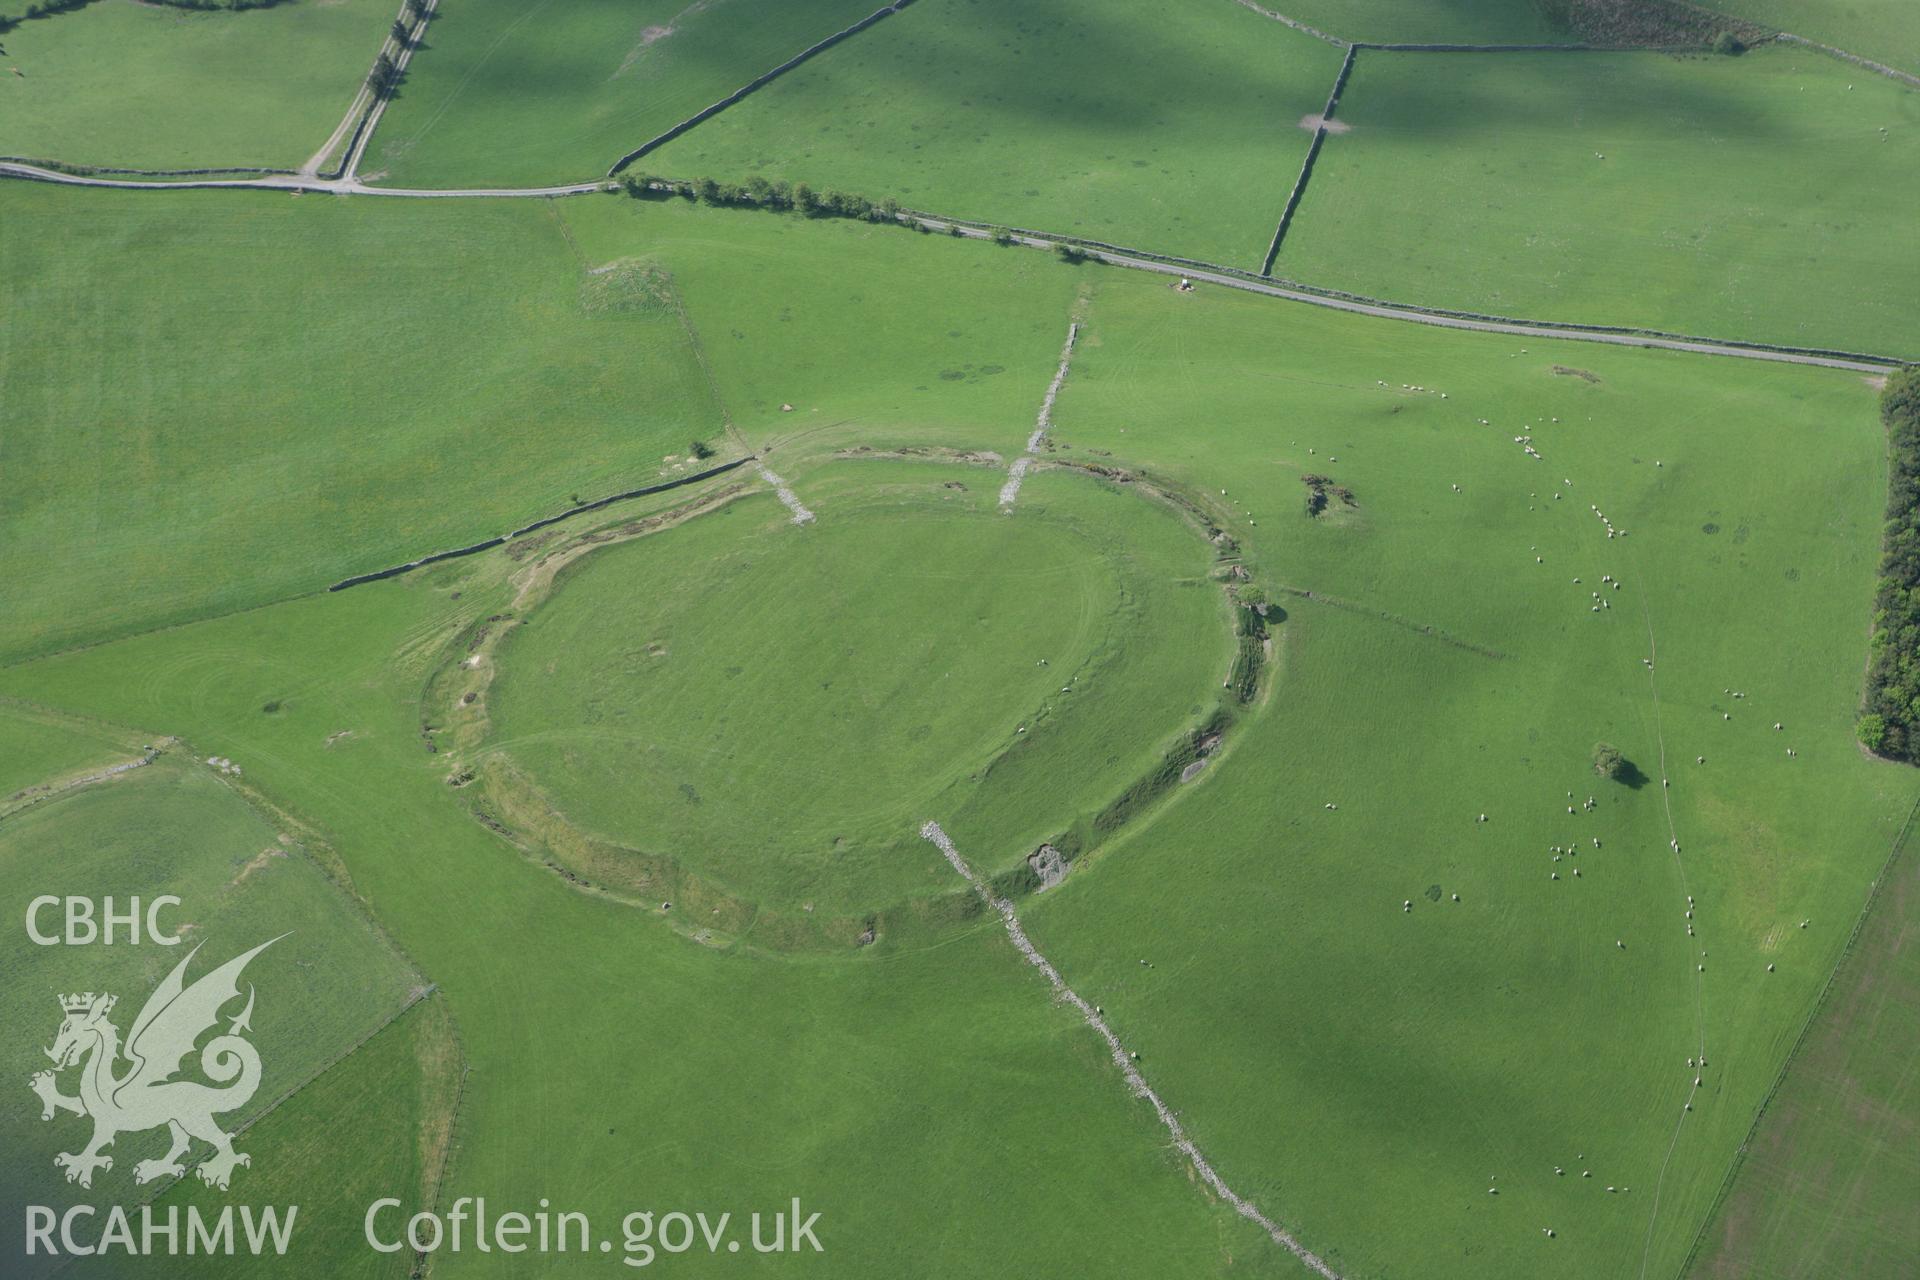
(758,193)
(48,8)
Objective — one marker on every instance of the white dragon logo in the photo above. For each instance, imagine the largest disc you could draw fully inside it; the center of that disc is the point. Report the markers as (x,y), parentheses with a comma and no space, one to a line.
(147,1095)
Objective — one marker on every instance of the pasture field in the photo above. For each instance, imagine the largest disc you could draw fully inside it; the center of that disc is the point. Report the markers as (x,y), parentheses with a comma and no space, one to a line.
(923,650)
(1168,128)
(175,827)
(598,852)
(148,86)
(513,94)
(1887,31)
(1765,198)
(1452,22)
(1338,1053)
(1604,23)
(374,1125)
(915,1092)
(835,319)
(221,402)
(1828,1184)
(41,749)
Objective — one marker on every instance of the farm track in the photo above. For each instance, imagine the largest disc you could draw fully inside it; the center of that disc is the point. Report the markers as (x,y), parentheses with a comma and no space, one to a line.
(357,146)
(1042,424)
(1680,868)
(364,112)
(933,833)
(788,498)
(1214,274)
(360,122)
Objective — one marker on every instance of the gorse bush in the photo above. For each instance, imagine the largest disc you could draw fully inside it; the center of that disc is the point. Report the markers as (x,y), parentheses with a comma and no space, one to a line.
(1607,760)
(1653,22)
(1890,722)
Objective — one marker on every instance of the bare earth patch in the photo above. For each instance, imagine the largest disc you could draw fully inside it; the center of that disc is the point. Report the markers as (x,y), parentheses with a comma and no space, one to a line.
(1317,121)
(650,36)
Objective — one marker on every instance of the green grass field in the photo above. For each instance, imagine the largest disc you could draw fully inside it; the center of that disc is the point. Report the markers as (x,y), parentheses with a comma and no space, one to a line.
(143,86)
(374,1125)
(301,389)
(915,642)
(1448,22)
(1754,198)
(1828,1184)
(40,749)
(175,828)
(530,94)
(1887,31)
(1339,1053)
(1075,121)
(832,318)
(600,850)
(915,1092)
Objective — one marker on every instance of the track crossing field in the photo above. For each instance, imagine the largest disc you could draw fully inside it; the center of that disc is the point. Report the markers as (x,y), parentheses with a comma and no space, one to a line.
(725,705)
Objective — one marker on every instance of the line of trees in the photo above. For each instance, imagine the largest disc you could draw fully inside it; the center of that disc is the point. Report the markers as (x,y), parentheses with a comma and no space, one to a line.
(385,76)
(220,4)
(41,9)
(1890,723)
(387,72)
(758,193)
(798,197)
(47,8)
